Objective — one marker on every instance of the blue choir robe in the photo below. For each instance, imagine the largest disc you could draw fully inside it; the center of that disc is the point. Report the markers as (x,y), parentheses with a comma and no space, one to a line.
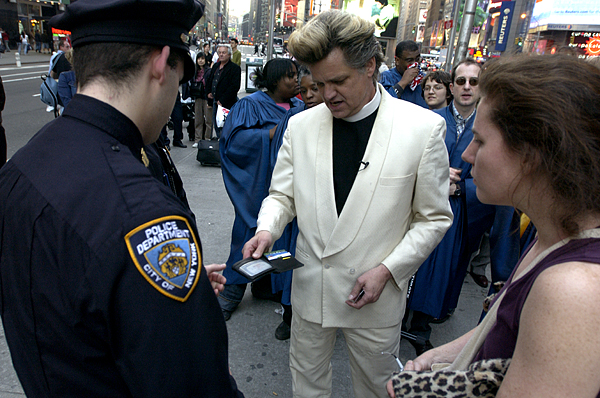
(391,77)
(439,279)
(245,148)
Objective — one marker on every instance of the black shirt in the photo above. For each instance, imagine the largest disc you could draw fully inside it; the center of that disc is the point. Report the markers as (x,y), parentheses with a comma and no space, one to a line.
(350,141)
(95,298)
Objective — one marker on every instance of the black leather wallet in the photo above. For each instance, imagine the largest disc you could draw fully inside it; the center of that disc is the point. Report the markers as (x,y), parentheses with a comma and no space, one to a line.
(277,262)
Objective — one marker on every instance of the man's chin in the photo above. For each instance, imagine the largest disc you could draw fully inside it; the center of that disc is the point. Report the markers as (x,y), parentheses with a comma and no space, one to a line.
(338,110)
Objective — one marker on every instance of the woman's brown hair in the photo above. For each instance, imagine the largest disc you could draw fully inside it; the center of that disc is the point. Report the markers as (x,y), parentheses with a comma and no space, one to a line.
(548,109)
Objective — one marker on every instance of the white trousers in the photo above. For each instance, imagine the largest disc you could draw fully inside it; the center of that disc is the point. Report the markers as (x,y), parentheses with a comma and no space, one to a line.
(311,348)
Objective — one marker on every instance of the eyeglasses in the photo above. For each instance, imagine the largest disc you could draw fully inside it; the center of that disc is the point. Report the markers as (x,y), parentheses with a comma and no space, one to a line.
(473,81)
(436,87)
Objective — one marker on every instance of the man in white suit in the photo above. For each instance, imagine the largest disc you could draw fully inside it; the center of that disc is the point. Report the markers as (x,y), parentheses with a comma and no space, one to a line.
(367,176)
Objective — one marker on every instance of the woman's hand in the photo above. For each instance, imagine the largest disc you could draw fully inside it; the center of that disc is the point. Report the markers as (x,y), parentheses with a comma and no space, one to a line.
(216,279)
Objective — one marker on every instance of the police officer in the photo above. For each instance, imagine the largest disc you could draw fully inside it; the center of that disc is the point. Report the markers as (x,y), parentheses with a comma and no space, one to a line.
(103,289)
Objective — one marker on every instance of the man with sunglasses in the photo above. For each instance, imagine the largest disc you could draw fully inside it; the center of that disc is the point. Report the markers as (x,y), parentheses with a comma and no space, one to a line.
(439,280)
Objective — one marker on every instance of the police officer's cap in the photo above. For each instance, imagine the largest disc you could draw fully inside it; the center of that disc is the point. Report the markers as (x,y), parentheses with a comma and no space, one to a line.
(150,22)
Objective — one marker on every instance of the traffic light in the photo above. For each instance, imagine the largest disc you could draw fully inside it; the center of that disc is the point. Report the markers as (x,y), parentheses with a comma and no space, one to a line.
(519,41)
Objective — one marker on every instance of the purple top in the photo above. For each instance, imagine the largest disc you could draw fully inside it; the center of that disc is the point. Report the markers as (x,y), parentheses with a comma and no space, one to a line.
(502,338)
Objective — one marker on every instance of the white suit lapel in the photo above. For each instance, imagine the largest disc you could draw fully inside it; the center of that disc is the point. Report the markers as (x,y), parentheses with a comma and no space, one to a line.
(325,195)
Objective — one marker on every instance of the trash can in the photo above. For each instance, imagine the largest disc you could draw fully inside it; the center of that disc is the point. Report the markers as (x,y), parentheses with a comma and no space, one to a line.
(252,63)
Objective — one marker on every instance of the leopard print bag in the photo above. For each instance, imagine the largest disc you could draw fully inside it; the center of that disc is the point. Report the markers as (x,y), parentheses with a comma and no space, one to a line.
(481,379)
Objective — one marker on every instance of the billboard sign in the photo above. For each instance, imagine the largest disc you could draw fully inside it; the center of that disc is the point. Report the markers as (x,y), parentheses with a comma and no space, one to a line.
(563,13)
(504,20)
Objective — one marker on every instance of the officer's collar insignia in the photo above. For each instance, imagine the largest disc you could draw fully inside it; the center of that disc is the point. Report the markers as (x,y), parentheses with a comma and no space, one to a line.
(165,251)
(145,158)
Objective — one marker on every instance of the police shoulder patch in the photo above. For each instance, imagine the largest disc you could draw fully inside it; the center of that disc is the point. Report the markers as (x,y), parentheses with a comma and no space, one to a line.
(165,251)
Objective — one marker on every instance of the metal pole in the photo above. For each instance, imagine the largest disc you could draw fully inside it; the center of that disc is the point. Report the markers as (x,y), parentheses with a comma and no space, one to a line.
(271,29)
(466,26)
(450,52)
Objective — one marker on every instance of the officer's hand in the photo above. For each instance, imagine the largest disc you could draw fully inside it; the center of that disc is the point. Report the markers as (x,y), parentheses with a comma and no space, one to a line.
(256,246)
(372,282)
(216,279)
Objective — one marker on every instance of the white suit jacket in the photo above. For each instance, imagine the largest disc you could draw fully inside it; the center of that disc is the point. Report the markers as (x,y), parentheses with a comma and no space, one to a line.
(396,213)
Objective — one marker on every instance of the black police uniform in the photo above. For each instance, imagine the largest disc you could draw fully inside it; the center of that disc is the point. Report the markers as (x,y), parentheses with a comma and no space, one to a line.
(103,293)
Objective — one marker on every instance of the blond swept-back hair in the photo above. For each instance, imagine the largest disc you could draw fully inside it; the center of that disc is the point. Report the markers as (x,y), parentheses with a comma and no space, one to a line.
(331,29)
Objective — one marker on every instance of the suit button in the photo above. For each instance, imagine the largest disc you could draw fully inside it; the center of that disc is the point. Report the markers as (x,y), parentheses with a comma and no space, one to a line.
(326,266)
(351,271)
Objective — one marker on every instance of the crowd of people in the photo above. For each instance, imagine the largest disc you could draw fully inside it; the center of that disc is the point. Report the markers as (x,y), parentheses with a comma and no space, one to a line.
(389,188)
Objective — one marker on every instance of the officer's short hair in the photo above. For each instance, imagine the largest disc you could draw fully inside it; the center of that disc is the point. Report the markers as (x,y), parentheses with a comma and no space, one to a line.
(116,64)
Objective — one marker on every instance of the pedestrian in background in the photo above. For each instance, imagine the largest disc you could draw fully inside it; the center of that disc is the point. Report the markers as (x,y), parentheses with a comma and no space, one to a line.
(223,82)
(236,56)
(203,112)
(403,80)
(4,39)
(24,44)
(38,41)
(207,54)
(436,89)
(67,83)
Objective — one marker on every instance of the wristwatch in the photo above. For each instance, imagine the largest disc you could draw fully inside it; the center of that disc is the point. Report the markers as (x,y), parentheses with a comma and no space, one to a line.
(457,191)
(398,89)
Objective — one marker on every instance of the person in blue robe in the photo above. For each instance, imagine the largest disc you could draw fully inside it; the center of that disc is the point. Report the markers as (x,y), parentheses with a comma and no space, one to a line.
(407,53)
(246,147)
(439,280)
(390,77)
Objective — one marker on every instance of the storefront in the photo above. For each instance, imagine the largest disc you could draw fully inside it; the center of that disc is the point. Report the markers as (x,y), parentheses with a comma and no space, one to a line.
(34,15)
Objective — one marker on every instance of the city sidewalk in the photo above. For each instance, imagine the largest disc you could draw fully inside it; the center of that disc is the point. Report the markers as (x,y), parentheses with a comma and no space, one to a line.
(9,58)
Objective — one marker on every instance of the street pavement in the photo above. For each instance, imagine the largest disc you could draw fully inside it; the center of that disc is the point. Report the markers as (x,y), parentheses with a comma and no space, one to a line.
(258,361)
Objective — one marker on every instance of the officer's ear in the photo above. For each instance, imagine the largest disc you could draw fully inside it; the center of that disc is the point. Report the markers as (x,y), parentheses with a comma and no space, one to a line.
(159,64)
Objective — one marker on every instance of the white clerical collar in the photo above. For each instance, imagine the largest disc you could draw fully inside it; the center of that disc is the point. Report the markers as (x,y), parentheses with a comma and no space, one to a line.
(367,109)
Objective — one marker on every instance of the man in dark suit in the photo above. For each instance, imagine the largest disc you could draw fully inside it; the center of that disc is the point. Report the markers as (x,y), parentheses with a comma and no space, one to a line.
(224,82)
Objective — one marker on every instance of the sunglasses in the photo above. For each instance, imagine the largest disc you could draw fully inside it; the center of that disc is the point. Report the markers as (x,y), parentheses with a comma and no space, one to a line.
(473,81)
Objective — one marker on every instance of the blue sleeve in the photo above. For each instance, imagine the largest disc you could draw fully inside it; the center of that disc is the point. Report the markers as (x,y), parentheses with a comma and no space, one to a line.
(245,154)
(64,88)
(414,97)
(277,140)
(388,80)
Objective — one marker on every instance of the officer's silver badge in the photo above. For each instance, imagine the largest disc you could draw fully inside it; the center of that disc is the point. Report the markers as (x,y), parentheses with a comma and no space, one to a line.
(165,251)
